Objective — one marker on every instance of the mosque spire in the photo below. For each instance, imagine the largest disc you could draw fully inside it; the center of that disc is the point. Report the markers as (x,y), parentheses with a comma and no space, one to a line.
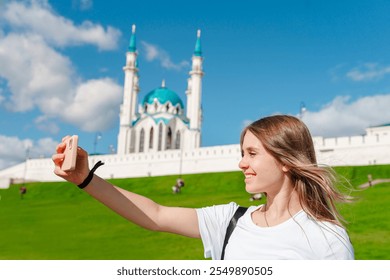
(163,83)
(198,48)
(132,46)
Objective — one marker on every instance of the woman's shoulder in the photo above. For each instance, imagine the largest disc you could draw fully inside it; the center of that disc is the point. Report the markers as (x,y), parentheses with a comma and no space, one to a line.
(225,210)
(323,225)
(331,237)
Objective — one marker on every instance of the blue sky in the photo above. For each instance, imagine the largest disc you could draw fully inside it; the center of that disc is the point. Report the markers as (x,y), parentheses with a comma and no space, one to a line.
(61,66)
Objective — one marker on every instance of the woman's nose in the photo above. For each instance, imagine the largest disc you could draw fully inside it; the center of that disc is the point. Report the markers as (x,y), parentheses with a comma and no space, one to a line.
(242,164)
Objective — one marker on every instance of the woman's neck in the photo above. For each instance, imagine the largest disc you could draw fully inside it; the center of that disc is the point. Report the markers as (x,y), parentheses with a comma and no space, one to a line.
(280,208)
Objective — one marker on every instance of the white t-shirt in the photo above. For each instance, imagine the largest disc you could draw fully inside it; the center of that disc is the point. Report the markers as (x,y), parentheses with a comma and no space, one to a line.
(300,237)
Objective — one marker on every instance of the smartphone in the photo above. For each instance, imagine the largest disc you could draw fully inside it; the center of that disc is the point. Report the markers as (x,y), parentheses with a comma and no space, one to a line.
(70,152)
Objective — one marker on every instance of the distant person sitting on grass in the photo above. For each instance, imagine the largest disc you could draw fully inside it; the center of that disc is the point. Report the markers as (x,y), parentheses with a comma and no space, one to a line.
(22,191)
(179,184)
(256,196)
(175,189)
(298,221)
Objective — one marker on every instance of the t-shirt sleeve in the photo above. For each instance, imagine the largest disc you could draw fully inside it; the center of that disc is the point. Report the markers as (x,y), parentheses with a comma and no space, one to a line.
(340,247)
(335,243)
(213,222)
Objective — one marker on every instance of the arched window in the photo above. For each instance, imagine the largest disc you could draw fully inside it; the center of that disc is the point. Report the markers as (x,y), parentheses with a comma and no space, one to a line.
(167,107)
(177,143)
(151,138)
(160,131)
(169,139)
(146,108)
(141,141)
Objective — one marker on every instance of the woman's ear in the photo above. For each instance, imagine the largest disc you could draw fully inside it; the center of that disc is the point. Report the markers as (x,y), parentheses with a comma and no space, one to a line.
(285,168)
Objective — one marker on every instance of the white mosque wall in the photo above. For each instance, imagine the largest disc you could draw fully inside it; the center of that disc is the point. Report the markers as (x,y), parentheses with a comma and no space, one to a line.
(341,151)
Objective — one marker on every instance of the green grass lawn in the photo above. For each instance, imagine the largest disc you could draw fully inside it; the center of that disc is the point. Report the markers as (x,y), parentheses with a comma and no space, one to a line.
(57,221)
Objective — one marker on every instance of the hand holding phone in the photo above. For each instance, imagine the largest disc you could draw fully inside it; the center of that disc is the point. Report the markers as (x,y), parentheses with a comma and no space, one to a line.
(70,152)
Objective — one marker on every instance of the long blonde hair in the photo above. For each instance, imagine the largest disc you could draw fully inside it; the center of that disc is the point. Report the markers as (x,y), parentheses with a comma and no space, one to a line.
(288,139)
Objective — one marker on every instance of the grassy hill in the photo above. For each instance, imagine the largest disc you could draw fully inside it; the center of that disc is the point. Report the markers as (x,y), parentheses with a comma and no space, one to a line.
(57,221)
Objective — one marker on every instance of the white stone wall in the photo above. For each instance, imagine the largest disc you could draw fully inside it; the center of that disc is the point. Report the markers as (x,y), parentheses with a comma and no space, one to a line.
(172,162)
(372,148)
(341,151)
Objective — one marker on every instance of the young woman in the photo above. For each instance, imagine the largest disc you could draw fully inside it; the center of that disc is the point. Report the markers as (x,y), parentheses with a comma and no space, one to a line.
(298,221)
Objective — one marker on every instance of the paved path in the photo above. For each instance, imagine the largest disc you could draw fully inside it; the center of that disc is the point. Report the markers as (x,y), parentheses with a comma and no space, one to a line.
(374,182)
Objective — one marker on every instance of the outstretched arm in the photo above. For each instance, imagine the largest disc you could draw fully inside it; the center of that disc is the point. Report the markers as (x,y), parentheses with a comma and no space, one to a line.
(135,208)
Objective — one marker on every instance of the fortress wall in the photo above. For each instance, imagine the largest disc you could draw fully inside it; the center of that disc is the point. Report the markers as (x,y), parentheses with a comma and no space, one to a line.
(358,155)
(351,142)
(341,151)
(174,162)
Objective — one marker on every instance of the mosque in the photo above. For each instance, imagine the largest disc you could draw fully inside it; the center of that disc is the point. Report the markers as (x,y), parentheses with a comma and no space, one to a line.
(159,136)
(161,122)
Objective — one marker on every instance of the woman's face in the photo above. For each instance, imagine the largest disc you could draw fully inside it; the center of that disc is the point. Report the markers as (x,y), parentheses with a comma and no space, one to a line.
(263,173)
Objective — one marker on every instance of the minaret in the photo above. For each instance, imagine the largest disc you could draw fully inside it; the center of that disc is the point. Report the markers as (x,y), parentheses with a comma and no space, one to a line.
(130,92)
(194,96)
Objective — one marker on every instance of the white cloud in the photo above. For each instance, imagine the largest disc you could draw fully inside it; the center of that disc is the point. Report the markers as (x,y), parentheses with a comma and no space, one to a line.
(83,4)
(343,117)
(37,17)
(39,76)
(14,150)
(2,98)
(368,72)
(35,72)
(44,147)
(95,105)
(44,123)
(48,82)
(154,52)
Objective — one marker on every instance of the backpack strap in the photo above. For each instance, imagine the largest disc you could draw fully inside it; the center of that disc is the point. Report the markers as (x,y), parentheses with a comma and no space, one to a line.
(233,222)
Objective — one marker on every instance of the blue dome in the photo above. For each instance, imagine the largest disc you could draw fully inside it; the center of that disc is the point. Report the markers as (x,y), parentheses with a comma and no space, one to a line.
(163,95)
